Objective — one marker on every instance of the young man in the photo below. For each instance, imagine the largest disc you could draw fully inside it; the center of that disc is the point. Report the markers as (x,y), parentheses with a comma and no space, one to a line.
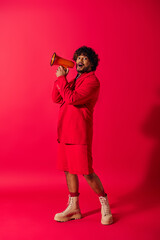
(75,132)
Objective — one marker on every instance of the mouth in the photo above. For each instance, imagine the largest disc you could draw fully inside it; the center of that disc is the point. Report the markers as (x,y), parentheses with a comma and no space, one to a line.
(80,64)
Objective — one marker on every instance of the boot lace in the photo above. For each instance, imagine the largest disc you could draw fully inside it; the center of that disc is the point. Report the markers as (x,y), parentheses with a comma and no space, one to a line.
(105,205)
(69,204)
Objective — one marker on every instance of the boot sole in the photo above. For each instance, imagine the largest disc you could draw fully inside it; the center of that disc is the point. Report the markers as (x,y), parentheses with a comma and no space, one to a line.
(65,219)
(110,221)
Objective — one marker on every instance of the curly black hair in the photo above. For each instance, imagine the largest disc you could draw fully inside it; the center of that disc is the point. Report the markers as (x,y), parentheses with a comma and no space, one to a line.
(90,53)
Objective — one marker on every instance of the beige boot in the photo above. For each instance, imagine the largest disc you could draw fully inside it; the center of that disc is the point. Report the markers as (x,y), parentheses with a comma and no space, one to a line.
(105,211)
(71,212)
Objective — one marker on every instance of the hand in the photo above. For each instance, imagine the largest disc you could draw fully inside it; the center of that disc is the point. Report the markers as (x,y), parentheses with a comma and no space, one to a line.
(61,71)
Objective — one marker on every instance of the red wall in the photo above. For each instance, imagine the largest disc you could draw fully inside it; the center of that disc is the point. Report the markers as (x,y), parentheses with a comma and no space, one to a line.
(125,34)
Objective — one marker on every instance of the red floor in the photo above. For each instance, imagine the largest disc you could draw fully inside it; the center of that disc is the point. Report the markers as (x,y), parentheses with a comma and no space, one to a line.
(28,215)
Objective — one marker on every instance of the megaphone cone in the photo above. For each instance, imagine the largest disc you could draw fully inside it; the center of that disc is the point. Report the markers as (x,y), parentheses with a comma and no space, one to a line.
(56,60)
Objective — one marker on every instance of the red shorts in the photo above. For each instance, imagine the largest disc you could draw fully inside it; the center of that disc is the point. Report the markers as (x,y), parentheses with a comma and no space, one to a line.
(74,158)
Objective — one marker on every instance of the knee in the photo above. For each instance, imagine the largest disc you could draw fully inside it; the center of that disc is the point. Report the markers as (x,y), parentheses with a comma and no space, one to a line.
(89,176)
(66,173)
(69,174)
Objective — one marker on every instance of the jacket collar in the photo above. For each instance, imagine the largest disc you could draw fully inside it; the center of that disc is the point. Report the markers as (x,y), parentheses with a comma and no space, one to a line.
(84,75)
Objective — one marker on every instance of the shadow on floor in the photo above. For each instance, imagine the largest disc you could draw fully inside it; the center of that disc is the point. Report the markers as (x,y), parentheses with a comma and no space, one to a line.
(91,212)
(147,195)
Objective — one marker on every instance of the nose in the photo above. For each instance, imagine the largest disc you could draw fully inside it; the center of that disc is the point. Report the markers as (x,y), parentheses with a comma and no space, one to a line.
(81,59)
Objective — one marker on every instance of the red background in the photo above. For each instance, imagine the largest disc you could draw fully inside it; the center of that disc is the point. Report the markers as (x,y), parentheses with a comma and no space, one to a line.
(126,145)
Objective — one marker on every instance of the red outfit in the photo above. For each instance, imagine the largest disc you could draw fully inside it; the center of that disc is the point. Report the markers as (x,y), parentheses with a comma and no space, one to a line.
(75,158)
(75,122)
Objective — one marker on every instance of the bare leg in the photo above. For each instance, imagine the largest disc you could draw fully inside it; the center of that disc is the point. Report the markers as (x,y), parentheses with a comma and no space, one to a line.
(73,210)
(94,182)
(72,182)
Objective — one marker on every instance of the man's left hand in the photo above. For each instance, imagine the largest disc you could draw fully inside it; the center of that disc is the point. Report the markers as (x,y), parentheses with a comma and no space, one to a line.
(61,71)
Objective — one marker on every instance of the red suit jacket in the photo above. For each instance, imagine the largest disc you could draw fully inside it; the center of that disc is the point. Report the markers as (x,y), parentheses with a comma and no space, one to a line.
(77,99)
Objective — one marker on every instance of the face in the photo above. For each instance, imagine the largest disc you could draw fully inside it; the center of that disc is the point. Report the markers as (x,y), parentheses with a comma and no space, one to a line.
(83,64)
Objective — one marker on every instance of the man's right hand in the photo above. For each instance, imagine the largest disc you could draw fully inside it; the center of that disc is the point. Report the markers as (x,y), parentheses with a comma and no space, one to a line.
(61,71)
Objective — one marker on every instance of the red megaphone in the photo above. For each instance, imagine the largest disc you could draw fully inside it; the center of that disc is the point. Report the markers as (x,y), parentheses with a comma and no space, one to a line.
(56,60)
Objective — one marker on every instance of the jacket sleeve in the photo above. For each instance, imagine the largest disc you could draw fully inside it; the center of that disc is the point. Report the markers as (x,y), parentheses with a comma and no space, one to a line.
(56,96)
(81,94)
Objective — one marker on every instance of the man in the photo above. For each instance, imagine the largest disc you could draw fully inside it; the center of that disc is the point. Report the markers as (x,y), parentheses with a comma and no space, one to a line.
(75,132)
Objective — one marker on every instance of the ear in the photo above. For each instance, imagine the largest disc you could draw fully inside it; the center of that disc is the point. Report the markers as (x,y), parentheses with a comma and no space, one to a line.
(91,65)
